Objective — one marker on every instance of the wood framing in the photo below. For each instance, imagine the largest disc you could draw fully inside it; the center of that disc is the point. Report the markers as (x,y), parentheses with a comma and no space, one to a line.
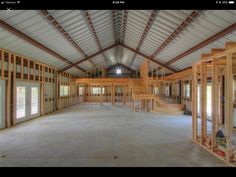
(15,67)
(218,69)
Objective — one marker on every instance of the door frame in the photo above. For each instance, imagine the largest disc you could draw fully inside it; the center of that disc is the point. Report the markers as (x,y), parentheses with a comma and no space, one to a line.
(28,86)
(3,103)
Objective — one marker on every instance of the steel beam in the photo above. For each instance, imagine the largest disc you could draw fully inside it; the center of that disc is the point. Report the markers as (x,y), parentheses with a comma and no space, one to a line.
(177,31)
(25,37)
(209,40)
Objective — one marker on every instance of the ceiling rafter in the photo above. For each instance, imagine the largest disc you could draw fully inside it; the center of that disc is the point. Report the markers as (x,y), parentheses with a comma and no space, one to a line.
(123,31)
(113,24)
(149,58)
(144,34)
(87,58)
(114,31)
(209,40)
(25,37)
(124,25)
(94,33)
(176,32)
(57,25)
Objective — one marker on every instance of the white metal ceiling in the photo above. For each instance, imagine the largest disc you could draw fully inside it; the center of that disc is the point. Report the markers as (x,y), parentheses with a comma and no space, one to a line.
(15,44)
(109,29)
(195,56)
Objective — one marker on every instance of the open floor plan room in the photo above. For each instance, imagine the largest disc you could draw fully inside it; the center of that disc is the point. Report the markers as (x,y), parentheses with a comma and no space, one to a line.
(117,88)
(94,135)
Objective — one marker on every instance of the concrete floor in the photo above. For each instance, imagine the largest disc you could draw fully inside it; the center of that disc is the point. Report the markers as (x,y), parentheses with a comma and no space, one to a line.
(94,135)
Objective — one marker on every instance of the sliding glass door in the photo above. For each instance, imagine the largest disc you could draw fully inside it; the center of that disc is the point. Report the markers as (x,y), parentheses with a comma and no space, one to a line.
(27,101)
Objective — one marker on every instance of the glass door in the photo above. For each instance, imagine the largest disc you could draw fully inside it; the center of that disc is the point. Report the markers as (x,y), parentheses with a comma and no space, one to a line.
(2,104)
(20,102)
(34,100)
(209,90)
(27,101)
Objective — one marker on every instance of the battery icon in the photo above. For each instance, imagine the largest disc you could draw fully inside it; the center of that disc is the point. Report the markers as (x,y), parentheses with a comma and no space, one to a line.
(231,2)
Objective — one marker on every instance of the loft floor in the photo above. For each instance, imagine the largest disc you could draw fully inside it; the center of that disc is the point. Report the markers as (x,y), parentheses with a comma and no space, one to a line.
(94,135)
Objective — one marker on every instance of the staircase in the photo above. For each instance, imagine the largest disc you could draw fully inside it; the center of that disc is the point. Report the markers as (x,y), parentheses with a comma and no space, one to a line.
(139,90)
(141,99)
(161,106)
(138,86)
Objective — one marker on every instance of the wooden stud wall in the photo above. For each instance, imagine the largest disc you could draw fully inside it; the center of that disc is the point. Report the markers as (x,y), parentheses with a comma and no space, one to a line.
(217,68)
(14,67)
(113,93)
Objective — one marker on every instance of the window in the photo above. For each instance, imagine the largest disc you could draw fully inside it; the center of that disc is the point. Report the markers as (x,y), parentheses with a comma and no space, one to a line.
(177,89)
(97,90)
(234,89)
(118,71)
(34,100)
(198,100)
(156,90)
(187,90)
(0,105)
(208,100)
(81,91)
(167,90)
(20,102)
(64,90)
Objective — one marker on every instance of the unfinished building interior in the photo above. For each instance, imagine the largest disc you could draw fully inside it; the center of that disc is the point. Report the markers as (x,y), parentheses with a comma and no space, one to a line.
(118,88)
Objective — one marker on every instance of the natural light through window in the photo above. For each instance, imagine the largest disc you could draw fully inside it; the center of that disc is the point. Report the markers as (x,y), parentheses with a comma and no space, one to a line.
(118,71)
(97,90)
(209,100)
(0,105)
(34,100)
(20,102)
(64,90)
(187,90)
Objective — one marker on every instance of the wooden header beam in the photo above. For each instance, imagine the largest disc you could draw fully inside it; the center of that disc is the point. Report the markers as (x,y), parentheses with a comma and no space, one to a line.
(104,80)
(180,75)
